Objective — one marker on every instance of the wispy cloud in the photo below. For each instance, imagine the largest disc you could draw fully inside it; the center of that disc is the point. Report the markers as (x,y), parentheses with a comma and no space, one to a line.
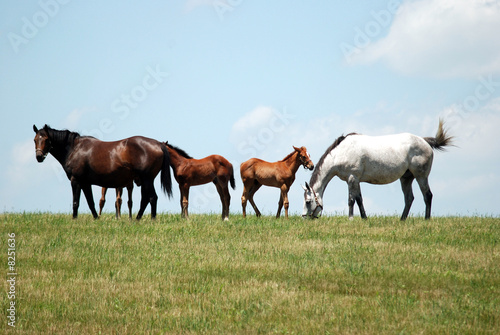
(72,120)
(440,38)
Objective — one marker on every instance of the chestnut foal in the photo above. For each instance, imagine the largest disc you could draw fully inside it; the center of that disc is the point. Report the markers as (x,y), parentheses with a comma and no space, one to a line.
(256,172)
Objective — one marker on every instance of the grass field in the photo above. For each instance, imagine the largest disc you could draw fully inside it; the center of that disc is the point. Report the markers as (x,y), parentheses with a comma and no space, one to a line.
(327,276)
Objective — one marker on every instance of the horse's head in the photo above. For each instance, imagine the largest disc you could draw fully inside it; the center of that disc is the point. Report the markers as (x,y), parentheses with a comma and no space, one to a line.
(42,143)
(304,157)
(312,203)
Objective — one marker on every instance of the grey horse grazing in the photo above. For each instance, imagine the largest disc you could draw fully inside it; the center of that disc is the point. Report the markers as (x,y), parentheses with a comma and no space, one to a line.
(379,160)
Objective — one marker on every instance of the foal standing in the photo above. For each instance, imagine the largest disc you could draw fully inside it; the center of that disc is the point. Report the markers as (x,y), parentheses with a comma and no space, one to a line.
(256,172)
(118,202)
(191,172)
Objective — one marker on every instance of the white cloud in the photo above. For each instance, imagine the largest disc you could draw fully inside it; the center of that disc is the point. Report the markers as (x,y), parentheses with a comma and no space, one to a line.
(72,120)
(440,38)
(258,117)
(262,133)
(21,156)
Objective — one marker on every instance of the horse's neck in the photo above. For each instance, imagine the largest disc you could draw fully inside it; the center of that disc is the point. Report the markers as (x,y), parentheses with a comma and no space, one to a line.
(326,172)
(293,162)
(175,158)
(61,150)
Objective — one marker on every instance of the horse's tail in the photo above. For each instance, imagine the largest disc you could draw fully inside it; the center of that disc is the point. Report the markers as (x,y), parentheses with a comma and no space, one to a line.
(166,179)
(231,180)
(441,140)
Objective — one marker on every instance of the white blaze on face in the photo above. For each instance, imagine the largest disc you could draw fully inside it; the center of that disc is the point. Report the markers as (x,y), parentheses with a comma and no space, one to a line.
(308,203)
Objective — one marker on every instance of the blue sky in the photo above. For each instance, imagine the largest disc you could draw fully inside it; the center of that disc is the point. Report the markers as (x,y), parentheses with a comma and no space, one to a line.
(250,79)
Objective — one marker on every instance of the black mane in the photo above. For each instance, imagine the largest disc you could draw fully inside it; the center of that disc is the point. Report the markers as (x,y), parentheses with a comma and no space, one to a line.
(179,151)
(61,136)
(315,174)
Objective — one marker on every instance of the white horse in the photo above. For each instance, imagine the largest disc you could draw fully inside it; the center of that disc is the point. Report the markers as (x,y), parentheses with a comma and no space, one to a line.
(379,160)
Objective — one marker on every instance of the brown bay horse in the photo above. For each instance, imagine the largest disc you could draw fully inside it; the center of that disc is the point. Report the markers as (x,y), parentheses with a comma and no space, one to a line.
(256,172)
(88,161)
(118,202)
(191,172)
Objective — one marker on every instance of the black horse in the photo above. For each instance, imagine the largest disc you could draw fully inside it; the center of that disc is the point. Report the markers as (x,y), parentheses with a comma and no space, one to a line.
(88,161)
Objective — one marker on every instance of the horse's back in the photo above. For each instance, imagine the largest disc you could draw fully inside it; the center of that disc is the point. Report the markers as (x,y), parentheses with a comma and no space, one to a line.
(387,146)
(213,165)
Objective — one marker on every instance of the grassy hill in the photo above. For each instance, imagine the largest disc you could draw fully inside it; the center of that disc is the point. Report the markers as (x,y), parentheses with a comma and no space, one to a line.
(252,275)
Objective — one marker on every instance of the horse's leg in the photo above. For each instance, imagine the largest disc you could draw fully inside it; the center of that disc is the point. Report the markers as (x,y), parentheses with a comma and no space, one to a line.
(144,199)
(103,200)
(227,200)
(118,203)
(284,196)
(406,181)
(255,187)
(280,205)
(359,201)
(153,200)
(87,191)
(222,196)
(426,191)
(129,202)
(76,188)
(223,181)
(355,196)
(184,200)
(247,186)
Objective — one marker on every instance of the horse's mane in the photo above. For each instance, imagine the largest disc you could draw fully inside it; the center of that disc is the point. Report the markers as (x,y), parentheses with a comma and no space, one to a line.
(288,156)
(61,136)
(335,144)
(179,151)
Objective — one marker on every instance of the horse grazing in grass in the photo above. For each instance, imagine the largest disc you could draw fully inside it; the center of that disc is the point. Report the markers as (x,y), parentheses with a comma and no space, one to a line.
(191,172)
(118,202)
(88,161)
(256,172)
(379,160)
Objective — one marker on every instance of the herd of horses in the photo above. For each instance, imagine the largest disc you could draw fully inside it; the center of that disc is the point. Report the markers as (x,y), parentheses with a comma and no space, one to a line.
(354,158)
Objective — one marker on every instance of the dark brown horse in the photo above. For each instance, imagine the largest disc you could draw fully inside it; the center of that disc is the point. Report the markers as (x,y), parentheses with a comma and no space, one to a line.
(88,161)
(256,172)
(190,172)
(118,202)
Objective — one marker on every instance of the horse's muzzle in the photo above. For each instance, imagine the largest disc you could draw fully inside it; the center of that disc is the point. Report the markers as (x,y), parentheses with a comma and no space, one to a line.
(311,167)
(40,156)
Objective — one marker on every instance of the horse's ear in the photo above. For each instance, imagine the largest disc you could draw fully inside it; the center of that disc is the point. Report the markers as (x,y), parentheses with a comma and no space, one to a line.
(305,188)
(295,148)
(35,129)
(308,188)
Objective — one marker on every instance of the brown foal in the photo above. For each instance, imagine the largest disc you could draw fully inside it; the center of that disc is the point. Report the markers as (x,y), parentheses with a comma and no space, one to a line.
(256,172)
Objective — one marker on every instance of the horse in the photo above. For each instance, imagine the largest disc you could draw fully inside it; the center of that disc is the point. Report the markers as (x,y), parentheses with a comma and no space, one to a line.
(118,202)
(356,158)
(191,172)
(88,161)
(256,172)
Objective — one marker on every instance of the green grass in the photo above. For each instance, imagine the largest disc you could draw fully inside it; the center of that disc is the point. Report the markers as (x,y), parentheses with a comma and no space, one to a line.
(202,275)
